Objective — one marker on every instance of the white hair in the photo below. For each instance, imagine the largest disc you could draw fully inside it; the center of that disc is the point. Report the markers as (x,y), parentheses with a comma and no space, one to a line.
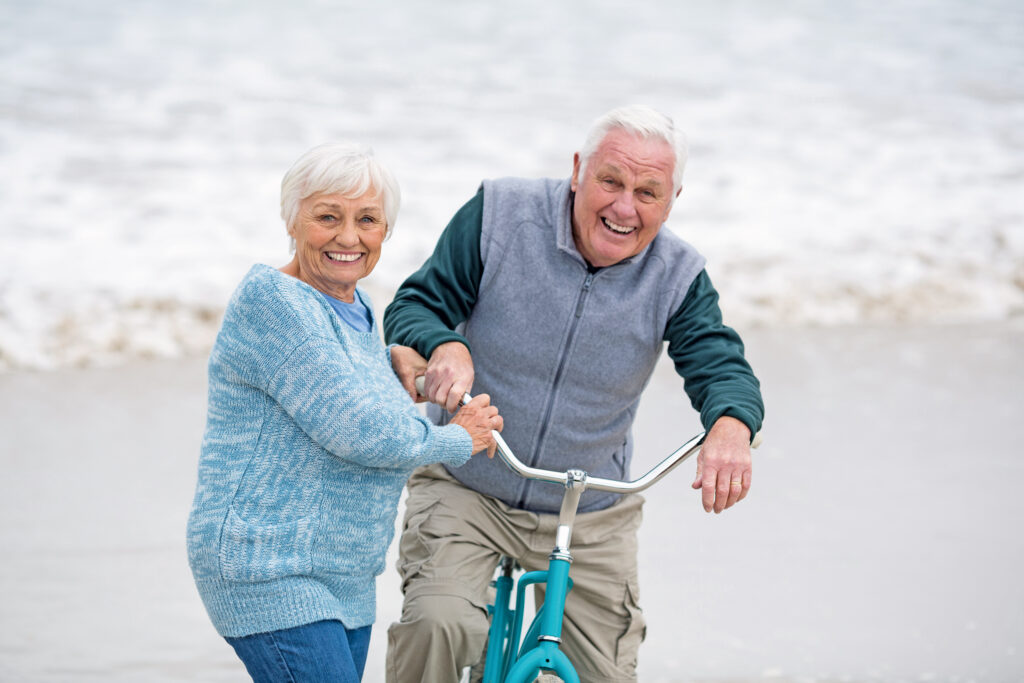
(644,122)
(339,168)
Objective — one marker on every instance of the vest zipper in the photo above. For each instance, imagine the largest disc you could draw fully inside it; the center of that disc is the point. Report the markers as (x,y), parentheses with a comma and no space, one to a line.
(550,406)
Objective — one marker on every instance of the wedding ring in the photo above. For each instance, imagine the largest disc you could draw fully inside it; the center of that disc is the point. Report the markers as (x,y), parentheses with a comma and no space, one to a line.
(737,482)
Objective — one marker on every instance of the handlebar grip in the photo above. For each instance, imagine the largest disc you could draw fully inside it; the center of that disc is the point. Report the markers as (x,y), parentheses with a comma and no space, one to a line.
(421,383)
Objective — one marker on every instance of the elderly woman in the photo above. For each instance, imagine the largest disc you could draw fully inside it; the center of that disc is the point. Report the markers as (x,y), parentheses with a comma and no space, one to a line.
(310,437)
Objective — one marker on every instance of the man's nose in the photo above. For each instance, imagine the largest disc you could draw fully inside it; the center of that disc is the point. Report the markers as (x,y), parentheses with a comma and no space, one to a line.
(625,203)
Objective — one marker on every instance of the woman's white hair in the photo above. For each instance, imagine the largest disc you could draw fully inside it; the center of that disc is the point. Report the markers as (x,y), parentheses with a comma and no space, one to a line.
(339,168)
(644,122)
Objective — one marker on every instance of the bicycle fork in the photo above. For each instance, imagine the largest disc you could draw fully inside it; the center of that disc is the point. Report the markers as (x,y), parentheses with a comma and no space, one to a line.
(541,644)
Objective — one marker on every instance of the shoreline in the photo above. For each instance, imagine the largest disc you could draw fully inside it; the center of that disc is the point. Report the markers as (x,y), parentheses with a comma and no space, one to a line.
(864,552)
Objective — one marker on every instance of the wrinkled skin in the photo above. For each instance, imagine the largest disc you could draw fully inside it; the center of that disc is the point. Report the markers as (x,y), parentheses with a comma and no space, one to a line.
(478,417)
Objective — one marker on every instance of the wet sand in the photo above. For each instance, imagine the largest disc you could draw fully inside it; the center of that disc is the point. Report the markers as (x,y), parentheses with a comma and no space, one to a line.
(879,542)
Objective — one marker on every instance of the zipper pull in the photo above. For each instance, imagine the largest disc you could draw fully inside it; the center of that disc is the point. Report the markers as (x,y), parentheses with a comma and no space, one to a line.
(583,294)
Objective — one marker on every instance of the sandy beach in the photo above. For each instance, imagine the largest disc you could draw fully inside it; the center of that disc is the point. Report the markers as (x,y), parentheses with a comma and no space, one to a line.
(877,544)
(851,180)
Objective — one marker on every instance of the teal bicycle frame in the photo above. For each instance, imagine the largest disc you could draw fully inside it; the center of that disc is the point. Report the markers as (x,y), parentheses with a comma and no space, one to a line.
(511,659)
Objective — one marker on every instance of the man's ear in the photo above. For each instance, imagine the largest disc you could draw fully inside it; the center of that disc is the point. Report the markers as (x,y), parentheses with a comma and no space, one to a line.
(574,183)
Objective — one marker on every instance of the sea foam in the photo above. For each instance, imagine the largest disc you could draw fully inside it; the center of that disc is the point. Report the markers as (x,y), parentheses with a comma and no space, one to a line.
(846,166)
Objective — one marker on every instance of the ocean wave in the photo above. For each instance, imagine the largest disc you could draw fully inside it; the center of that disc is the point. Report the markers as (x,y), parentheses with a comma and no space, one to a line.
(38,332)
(846,166)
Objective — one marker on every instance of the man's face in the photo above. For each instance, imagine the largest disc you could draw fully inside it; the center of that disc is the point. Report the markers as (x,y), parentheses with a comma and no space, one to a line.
(622,197)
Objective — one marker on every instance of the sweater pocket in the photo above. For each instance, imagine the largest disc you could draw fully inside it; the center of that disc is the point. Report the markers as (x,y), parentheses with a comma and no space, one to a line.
(254,552)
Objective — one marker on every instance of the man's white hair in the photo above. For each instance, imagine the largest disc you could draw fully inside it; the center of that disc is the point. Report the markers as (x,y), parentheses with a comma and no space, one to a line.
(644,122)
(339,168)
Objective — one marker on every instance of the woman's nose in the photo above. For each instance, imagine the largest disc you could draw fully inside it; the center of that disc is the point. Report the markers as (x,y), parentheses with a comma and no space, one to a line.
(347,234)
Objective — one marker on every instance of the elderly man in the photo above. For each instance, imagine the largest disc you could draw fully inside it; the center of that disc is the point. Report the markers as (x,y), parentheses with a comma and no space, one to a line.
(555,297)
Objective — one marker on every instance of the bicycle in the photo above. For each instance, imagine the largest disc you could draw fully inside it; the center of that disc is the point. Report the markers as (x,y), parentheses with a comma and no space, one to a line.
(511,659)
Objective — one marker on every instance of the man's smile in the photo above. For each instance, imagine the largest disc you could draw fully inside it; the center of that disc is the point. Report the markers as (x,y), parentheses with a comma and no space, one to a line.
(616,228)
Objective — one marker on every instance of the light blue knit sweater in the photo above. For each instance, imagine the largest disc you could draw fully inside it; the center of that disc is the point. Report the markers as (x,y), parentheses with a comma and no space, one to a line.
(309,441)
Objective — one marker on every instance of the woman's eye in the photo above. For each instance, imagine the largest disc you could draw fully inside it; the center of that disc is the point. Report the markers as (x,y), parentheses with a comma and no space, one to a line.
(326,218)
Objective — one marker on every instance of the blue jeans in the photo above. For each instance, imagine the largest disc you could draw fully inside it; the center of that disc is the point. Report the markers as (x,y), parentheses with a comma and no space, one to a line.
(321,651)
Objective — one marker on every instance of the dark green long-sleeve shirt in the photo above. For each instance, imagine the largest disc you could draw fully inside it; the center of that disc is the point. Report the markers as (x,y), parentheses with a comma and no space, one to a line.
(708,355)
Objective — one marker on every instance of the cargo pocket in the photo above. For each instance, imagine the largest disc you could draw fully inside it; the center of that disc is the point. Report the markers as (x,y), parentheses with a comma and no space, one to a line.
(628,645)
(252,552)
(413,544)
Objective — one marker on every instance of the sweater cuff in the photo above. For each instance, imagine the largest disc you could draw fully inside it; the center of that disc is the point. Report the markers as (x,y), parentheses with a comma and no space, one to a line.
(455,445)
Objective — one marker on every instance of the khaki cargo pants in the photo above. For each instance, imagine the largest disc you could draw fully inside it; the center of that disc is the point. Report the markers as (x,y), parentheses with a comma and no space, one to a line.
(450,545)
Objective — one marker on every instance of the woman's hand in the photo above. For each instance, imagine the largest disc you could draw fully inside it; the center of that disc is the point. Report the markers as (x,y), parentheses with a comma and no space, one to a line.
(479,417)
(408,364)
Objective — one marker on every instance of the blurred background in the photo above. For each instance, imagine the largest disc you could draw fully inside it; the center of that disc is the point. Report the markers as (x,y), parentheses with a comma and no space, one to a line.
(854,162)
(855,179)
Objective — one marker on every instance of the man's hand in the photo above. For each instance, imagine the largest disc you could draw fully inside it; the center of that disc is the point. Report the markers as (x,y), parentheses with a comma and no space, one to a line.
(408,364)
(723,465)
(449,375)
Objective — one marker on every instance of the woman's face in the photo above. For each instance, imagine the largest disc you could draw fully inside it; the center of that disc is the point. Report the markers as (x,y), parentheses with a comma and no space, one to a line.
(337,241)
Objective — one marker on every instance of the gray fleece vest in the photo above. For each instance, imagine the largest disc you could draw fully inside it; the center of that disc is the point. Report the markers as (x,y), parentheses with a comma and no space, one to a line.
(564,352)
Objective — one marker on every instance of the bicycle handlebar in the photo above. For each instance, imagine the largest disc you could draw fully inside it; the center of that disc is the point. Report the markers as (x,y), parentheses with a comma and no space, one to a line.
(653,475)
(599,483)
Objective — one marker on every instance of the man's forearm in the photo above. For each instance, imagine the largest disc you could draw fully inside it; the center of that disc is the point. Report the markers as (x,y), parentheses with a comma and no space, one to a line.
(441,294)
(709,356)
